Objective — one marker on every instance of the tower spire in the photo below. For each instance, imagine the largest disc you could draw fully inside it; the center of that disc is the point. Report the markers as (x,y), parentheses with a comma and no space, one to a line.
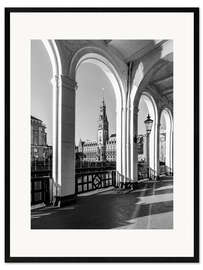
(103,131)
(103,96)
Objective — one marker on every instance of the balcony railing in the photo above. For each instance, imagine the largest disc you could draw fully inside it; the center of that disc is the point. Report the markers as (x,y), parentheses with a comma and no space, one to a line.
(89,176)
(40,192)
(165,170)
(41,174)
(41,168)
(89,181)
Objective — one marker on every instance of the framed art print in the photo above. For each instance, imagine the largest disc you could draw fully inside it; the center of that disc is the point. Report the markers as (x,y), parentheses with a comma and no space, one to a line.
(102,134)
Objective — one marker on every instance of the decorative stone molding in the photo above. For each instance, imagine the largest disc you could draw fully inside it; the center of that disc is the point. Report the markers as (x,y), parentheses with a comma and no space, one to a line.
(68,82)
(64,80)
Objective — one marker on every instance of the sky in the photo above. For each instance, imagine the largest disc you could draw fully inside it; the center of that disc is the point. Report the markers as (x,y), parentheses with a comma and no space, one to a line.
(91,80)
(41,87)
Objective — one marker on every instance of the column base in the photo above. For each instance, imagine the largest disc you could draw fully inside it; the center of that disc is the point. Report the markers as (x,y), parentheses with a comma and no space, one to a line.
(64,200)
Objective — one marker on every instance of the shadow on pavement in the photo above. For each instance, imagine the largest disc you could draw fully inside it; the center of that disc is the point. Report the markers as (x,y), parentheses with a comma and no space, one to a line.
(106,210)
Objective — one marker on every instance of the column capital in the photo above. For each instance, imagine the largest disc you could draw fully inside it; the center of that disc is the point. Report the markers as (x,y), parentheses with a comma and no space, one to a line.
(64,80)
(68,82)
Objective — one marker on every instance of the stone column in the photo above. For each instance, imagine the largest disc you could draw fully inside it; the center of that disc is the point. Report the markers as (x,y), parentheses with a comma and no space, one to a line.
(135,150)
(148,154)
(129,144)
(169,146)
(64,140)
(127,150)
(158,145)
(120,147)
(172,165)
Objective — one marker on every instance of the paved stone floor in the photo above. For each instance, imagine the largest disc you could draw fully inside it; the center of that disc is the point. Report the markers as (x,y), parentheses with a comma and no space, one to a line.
(148,207)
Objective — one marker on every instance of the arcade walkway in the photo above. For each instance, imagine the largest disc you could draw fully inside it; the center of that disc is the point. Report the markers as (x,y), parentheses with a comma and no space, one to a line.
(148,207)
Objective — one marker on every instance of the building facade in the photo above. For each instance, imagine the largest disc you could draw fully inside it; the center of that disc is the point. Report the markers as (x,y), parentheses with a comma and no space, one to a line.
(104,149)
(40,150)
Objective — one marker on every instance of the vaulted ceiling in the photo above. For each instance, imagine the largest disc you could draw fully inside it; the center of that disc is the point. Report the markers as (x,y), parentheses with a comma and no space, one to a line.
(162,80)
(132,49)
(136,50)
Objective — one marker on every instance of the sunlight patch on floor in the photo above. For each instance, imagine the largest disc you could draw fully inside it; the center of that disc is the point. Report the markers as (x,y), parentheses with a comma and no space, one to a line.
(157,221)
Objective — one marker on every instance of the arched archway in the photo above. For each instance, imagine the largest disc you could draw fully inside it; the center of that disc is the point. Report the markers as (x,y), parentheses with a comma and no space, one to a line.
(166,131)
(154,77)
(153,112)
(56,64)
(150,76)
(96,57)
(64,115)
(152,108)
(108,71)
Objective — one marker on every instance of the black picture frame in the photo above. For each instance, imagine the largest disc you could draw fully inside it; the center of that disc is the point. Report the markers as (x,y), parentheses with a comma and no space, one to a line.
(8,257)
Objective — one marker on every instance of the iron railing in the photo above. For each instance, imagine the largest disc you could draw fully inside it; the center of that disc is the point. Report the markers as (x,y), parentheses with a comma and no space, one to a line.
(143,171)
(88,176)
(92,180)
(165,170)
(152,174)
(41,168)
(41,175)
(40,192)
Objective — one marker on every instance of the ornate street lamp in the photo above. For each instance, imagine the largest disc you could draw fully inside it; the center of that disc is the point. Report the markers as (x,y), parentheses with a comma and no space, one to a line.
(148,124)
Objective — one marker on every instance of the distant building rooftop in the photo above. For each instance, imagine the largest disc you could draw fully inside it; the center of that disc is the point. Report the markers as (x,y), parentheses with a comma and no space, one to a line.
(39,120)
(35,118)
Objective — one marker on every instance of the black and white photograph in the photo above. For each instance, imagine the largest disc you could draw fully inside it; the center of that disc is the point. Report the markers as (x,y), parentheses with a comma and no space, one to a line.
(102,134)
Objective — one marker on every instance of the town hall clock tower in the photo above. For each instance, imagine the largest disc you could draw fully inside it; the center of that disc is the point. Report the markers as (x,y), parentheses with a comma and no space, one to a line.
(102,133)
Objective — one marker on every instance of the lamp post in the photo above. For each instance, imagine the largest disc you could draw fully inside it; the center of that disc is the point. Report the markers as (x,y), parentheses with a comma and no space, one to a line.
(148,124)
